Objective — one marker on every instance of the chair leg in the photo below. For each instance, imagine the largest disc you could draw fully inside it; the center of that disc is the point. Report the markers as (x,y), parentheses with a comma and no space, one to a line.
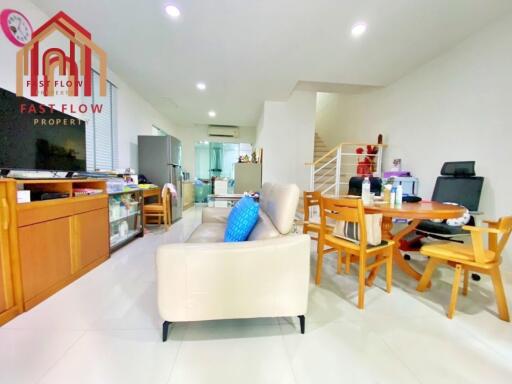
(466,282)
(425,279)
(348,259)
(362,281)
(302,320)
(340,261)
(319,262)
(318,245)
(499,292)
(165,330)
(455,291)
(389,270)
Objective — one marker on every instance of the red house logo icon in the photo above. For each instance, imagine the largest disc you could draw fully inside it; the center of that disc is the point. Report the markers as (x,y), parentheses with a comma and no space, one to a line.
(42,66)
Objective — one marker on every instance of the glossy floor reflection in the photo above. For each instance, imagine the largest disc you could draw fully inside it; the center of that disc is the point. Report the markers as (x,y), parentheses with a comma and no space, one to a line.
(105,328)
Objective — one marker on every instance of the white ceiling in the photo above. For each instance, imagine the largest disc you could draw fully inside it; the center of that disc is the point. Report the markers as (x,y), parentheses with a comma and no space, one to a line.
(248,51)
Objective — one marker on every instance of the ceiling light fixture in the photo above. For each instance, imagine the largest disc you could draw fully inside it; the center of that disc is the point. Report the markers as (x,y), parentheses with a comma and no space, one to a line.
(173,11)
(359,29)
(201,86)
(212,114)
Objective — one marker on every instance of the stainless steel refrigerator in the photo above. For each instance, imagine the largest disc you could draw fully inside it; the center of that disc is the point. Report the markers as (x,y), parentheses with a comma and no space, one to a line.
(160,161)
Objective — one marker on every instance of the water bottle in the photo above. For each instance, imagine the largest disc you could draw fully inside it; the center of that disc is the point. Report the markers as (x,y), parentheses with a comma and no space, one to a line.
(392,197)
(399,194)
(365,193)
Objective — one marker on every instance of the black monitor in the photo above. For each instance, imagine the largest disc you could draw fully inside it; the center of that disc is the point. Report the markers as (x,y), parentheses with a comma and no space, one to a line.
(35,137)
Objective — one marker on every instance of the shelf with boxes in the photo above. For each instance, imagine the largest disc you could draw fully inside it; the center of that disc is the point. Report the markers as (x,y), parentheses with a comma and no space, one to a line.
(125,217)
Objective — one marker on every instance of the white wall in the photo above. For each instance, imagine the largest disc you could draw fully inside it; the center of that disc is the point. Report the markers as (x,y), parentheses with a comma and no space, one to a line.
(286,132)
(135,115)
(457,107)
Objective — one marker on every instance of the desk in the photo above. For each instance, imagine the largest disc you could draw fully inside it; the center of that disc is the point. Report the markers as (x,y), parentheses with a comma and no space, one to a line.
(416,212)
(151,192)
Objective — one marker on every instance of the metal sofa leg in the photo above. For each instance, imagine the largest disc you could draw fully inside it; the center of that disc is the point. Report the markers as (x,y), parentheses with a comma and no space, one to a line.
(165,330)
(302,320)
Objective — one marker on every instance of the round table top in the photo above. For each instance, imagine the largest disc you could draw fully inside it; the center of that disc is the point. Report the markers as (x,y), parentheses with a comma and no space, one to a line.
(421,210)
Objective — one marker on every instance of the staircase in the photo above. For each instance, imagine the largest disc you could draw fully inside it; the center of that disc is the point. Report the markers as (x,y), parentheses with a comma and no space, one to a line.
(332,169)
(320,150)
(329,170)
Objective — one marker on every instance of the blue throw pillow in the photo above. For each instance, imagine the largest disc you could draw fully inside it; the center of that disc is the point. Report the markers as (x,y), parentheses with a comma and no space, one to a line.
(241,220)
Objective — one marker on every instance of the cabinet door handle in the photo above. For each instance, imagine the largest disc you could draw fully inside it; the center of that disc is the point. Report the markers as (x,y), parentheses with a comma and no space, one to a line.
(5,210)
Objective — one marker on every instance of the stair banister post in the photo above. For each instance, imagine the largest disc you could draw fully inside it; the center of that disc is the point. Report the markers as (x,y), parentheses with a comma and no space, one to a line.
(338,169)
(379,161)
(312,177)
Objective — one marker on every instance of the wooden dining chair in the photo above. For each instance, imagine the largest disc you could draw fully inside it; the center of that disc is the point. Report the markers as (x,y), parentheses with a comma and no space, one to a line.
(472,258)
(312,199)
(352,211)
(159,211)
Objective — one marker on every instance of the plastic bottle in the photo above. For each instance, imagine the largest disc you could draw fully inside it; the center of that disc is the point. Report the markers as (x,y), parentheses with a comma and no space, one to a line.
(387,193)
(365,193)
(392,198)
(399,194)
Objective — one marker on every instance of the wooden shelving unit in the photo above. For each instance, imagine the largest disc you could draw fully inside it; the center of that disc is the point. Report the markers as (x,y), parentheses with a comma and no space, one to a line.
(132,216)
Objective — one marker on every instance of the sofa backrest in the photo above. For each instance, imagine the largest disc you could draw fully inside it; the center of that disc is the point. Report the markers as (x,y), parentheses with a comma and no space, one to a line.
(279,202)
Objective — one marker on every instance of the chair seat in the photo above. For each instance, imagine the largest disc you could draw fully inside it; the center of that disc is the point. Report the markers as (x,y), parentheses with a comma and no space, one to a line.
(440,229)
(456,252)
(337,241)
(153,208)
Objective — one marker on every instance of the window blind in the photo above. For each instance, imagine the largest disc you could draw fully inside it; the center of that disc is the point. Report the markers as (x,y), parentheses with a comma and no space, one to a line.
(101,130)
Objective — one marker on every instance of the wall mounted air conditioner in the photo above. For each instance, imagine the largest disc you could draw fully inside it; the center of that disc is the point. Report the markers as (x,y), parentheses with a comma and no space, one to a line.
(223,131)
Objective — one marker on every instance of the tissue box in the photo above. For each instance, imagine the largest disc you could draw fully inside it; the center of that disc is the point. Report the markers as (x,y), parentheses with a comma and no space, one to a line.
(23,196)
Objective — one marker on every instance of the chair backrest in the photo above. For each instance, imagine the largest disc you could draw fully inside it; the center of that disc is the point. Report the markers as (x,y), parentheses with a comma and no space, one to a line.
(349,210)
(458,184)
(355,185)
(311,199)
(504,225)
(166,194)
(279,202)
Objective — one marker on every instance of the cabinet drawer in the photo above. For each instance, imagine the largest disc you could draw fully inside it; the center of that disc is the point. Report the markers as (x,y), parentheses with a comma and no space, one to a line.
(39,211)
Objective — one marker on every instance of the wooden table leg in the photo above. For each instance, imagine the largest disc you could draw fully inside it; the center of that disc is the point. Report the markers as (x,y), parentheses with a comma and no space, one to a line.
(387,225)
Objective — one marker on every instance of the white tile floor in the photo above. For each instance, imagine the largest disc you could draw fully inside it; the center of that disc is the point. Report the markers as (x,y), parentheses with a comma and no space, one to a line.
(105,328)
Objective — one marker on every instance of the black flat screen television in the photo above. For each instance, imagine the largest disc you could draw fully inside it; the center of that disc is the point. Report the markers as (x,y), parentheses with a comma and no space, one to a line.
(35,137)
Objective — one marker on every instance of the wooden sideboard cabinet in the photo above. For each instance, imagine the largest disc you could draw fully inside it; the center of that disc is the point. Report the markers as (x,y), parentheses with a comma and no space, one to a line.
(11,302)
(46,245)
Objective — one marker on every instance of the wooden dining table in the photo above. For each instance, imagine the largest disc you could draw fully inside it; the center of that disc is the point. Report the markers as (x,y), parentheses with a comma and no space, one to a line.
(415,212)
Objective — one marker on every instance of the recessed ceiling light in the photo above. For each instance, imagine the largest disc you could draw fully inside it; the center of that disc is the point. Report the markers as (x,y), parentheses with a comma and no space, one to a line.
(212,114)
(201,86)
(173,11)
(359,29)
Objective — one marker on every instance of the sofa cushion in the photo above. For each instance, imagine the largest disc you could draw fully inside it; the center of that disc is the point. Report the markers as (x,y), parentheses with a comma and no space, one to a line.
(208,233)
(264,228)
(279,201)
(215,215)
(241,220)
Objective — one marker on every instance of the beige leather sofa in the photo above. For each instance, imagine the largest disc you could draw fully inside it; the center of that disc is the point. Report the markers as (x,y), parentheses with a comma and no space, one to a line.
(266,276)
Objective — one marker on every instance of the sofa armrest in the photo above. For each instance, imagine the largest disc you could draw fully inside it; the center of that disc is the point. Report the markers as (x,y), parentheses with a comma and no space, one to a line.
(215,215)
(264,278)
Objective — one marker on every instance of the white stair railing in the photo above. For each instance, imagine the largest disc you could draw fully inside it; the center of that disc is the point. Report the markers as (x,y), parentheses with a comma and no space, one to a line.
(331,173)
